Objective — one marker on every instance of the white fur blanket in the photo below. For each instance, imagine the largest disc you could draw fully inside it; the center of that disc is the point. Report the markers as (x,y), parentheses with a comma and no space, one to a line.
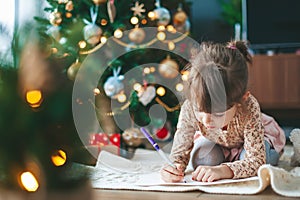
(142,173)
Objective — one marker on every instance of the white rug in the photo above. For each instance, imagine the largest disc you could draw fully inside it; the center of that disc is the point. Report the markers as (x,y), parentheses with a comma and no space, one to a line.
(142,173)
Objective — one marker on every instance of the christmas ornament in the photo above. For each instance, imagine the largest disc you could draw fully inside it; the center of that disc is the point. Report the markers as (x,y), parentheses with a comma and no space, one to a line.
(138,9)
(179,18)
(73,69)
(168,68)
(132,137)
(146,95)
(92,32)
(181,21)
(98,2)
(111,10)
(162,15)
(69,6)
(162,134)
(137,35)
(114,85)
(55,18)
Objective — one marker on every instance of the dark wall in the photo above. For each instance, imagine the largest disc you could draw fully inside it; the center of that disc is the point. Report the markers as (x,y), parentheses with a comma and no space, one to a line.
(207,22)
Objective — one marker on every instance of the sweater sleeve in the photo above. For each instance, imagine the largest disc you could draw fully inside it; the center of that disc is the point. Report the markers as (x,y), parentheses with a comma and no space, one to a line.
(183,138)
(253,144)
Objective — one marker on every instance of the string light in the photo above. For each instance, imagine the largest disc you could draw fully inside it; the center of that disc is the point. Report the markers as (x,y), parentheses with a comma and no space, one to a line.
(122,98)
(96,91)
(161,36)
(152,69)
(103,39)
(82,44)
(34,98)
(161,91)
(179,87)
(134,20)
(144,21)
(161,28)
(185,75)
(118,33)
(59,158)
(147,70)
(103,22)
(137,87)
(151,15)
(171,29)
(29,182)
(68,15)
(171,45)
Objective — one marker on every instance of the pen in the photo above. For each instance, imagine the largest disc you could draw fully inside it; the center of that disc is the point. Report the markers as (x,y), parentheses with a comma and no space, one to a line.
(156,147)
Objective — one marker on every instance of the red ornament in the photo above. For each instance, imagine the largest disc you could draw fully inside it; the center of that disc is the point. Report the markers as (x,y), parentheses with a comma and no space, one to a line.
(162,133)
(115,139)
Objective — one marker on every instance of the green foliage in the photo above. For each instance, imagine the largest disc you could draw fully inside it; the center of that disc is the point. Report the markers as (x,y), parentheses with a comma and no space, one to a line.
(231,11)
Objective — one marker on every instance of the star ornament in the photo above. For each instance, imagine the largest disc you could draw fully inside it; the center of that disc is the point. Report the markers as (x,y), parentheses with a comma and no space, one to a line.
(138,9)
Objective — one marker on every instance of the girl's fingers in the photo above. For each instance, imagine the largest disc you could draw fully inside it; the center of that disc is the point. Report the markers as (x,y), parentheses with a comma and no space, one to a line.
(169,175)
(173,170)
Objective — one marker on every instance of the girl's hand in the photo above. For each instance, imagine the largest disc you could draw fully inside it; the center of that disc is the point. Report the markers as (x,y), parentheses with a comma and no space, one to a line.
(171,174)
(212,173)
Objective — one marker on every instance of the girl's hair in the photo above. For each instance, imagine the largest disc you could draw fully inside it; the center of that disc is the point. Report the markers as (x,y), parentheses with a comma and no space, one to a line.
(218,76)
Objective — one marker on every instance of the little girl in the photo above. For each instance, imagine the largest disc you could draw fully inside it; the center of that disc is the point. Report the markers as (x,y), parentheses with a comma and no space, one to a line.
(221,131)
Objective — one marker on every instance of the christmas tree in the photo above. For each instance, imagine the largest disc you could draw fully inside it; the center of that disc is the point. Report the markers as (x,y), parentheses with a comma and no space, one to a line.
(94,66)
(112,38)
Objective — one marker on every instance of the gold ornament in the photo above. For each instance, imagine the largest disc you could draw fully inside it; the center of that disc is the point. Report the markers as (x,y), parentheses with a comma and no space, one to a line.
(168,68)
(179,18)
(55,18)
(137,35)
(98,2)
(132,137)
(73,69)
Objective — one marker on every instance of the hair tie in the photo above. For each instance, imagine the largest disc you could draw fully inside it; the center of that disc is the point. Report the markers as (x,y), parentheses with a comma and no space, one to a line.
(232,47)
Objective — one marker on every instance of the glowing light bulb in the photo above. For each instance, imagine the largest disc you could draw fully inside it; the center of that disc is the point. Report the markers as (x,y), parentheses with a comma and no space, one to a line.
(161,28)
(29,182)
(96,91)
(179,87)
(103,22)
(161,91)
(171,29)
(59,158)
(144,21)
(171,45)
(161,36)
(185,76)
(118,33)
(134,20)
(122,98)
(151,15)
(82,44)
(103,39)
(147,70)
(137,87)
(34,98)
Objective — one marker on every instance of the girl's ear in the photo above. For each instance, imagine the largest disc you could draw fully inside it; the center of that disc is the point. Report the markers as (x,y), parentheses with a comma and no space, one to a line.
(246,95)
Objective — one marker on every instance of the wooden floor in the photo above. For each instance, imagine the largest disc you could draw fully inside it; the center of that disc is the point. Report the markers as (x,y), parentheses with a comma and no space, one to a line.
(268,194)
